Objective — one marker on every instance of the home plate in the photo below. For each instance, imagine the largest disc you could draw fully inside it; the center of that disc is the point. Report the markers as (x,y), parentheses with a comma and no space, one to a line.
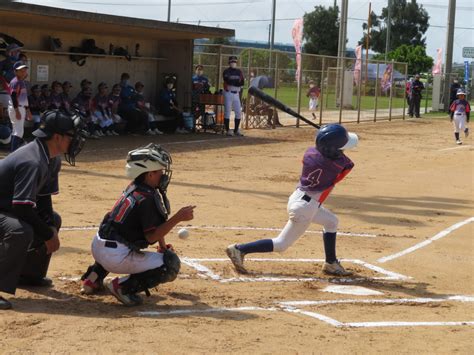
(352,290)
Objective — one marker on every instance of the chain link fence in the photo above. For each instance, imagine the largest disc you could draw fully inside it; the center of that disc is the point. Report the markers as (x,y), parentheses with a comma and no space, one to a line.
(344,92)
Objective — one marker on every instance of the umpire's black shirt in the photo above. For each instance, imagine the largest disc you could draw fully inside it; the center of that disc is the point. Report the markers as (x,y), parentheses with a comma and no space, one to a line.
(26,175)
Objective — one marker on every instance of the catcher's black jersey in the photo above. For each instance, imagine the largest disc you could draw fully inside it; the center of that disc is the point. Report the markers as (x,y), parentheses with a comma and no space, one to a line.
(137,213)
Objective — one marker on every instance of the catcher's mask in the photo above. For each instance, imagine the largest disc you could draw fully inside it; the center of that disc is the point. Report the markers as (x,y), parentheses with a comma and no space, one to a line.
(64,123)
(152,157)
(333,139)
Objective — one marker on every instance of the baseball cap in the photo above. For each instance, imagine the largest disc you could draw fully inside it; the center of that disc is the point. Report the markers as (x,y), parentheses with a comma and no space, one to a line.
(232,59)
(460,92)
(85,82)
(55,121)
(19,65)
(199,66)
(12,47)
(67,83)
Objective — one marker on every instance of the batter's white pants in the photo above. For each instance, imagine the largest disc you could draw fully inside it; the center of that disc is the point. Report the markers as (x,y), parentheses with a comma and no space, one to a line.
(302,214)
(122,260)
(18,126)
(459,123)
(232,101)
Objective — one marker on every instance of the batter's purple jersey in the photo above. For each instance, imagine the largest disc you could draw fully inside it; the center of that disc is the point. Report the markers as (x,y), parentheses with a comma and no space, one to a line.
(320,173)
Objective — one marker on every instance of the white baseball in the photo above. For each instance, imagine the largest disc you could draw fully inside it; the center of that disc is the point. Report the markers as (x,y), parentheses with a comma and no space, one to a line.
(183,233)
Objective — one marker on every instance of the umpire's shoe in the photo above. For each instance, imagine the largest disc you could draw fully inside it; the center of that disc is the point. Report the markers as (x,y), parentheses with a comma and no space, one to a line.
(4,304)
(115,289)
(336,269)
(35,281)
(237,258)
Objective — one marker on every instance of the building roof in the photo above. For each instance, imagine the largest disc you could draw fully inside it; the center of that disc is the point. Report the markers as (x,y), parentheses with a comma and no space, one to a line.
(52,18)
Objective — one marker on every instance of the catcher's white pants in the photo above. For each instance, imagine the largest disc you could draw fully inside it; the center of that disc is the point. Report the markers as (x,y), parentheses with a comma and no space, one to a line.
(302,214)
(459,122)
(122,260)
(232,101)
(18,126)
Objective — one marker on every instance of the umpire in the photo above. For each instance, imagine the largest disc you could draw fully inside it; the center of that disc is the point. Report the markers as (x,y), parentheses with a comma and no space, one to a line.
(28,225)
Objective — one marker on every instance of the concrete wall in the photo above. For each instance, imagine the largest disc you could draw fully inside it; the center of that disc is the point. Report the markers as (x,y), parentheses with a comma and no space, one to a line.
(177,58)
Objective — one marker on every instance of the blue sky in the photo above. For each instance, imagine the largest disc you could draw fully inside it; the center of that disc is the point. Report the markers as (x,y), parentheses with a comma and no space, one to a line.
(251,18)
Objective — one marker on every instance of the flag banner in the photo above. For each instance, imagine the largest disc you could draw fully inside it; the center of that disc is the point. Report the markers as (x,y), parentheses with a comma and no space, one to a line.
(297,34)
(386,81)
(358,64)
(437,66)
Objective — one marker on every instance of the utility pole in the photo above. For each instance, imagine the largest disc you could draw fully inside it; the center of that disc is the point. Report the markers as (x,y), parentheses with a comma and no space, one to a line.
(272,40)
(389,25)
(169,10)
(449,52)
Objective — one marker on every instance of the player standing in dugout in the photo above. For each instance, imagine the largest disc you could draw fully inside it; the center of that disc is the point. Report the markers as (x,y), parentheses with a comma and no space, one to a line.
(233,83)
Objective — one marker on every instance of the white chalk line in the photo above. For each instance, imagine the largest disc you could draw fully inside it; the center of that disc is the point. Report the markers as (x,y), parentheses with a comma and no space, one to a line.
(348,234)
(205,310)
(196,263)
(290,307)
(454,148)
(440,235)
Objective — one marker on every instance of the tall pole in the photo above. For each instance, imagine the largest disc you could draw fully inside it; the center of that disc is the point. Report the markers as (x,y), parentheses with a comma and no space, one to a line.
(449,51)
(389,25)
(272,41)
(169,10)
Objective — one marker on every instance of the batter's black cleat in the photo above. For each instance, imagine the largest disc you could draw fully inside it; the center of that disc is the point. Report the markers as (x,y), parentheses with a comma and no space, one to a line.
(336,269)
(128,300)
(237,258)
(4,304)
(35,281)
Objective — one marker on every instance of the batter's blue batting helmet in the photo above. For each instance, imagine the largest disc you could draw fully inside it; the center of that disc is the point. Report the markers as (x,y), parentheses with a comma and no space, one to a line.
(5,134)
(332,139)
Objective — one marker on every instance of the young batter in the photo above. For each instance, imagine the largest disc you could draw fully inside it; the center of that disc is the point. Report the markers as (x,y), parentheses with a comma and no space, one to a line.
(323,167)
(459,112)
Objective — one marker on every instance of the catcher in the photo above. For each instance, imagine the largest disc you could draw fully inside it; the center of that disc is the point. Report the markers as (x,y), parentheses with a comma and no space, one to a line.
(138,219)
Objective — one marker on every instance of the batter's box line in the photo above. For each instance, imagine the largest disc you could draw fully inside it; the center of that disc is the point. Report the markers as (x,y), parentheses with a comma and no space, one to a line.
(290,307)
(196,263)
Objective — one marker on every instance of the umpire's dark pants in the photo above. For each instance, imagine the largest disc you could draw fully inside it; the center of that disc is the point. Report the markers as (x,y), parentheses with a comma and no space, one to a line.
(21,254)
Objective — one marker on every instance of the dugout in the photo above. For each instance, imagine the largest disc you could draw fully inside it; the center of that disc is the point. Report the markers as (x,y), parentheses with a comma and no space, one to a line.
(164,47)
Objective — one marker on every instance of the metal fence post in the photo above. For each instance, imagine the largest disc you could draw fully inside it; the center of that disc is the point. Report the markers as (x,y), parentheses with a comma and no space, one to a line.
(376,92)
(391,93)
(321,96)
(247,97)
(404,91)
(298,98)
(359,95)
(341,103)
(276,75)
(426,100)
(219,67)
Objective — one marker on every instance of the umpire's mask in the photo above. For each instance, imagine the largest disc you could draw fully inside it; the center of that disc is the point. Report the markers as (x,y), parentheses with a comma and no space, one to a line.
(64,123)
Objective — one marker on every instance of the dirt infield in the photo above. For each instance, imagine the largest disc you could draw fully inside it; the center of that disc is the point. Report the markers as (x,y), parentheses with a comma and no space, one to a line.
(411,183)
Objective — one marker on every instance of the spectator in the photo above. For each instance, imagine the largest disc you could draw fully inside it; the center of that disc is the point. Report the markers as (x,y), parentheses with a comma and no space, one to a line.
(101,112)
(7,73)
(114,102)
(34,102)
(45,97)
(67,86)
(56,98)
(415,99)
(85,84)
(82,102)
(18,105)
(200,86)
(134,118)
(168,106)
(146,107)
(313,94)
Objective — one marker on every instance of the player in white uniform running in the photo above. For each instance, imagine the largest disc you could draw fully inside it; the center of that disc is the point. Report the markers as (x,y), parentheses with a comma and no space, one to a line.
(459,112)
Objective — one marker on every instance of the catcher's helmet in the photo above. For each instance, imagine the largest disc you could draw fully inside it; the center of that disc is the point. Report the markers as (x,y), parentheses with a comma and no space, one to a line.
(149,158)
(332,139)
(5,134)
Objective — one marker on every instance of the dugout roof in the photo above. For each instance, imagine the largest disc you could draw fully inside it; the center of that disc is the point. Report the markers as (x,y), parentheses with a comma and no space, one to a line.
(51,18)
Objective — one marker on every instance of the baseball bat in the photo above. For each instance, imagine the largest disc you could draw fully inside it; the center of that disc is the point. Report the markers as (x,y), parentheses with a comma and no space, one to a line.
(279,105)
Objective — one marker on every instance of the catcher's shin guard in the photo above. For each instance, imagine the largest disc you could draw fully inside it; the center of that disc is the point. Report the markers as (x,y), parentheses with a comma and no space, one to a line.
(143,281)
